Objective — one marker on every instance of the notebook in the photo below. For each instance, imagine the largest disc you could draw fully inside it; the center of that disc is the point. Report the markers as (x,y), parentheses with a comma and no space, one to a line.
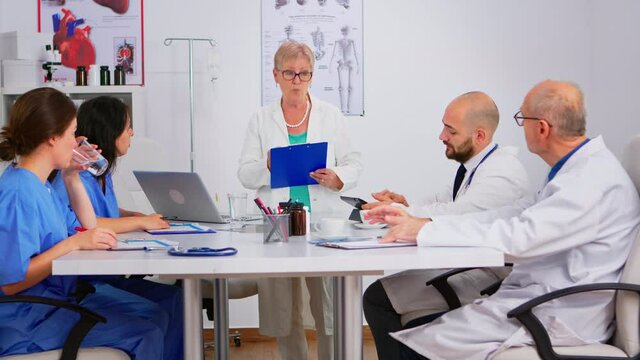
(179,196)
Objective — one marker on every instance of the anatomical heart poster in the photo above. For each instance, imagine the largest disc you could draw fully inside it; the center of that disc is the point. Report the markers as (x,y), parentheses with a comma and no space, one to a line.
(333,31)
(95,33)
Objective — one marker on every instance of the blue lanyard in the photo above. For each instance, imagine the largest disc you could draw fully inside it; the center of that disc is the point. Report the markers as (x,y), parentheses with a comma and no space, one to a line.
(203,251)
(561,162)
(477,166)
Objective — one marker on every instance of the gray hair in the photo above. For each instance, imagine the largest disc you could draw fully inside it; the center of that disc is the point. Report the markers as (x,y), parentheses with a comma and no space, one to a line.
(291,50)
(562,105)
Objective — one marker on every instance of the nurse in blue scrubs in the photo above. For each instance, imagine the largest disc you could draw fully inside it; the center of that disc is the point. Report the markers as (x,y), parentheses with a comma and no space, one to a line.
(105,122)
(35,227)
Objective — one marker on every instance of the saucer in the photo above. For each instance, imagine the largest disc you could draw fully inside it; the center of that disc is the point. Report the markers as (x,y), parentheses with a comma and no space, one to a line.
(369,226)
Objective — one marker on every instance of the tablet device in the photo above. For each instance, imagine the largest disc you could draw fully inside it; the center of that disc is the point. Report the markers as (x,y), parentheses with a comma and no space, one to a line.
(353,201)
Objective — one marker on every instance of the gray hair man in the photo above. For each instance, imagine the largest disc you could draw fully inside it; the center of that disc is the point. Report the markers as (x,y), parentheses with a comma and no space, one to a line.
(587,207)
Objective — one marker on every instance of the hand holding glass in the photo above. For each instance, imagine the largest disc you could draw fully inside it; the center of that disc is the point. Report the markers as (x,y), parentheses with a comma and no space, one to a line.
(86,155)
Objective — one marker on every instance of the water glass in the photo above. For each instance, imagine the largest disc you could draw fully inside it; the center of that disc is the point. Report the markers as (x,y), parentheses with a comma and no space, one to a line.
(86,155)
(237,207)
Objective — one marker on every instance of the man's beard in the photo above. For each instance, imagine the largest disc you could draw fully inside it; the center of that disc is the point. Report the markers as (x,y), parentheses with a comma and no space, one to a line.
(463,153)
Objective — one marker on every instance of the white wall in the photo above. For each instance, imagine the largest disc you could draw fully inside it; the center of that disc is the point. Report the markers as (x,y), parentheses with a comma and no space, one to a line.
(418,55)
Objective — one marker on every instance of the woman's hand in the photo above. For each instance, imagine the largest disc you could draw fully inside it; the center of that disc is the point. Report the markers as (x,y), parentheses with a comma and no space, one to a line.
(153,222)
(327,178)
(98,238)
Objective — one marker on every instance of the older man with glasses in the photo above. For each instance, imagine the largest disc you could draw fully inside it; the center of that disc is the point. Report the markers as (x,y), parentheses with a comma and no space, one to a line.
(577,229)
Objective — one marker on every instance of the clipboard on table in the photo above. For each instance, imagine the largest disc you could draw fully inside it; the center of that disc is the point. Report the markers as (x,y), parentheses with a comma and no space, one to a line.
(144,244)
(182,228)
(366,244)
(291,165)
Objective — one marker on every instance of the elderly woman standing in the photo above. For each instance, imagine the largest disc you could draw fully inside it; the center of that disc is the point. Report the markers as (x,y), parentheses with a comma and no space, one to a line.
(298,118)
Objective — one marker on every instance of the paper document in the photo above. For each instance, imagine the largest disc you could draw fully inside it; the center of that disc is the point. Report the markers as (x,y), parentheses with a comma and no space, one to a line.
(321,240)
(145,244)
(366,244)
(291,165)
(182,228)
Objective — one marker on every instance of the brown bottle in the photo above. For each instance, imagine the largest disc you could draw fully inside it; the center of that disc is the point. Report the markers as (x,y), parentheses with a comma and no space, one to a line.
(298,219)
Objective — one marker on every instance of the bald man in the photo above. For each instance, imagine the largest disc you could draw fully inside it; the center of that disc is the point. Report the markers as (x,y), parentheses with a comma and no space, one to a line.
(576,230)
(489,176)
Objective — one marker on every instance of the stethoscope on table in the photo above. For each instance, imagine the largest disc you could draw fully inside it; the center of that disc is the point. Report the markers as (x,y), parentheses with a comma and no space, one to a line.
(203,251)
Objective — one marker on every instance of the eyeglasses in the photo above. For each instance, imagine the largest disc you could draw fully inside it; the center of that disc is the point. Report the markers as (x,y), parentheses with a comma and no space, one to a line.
(304,76)
(520,119)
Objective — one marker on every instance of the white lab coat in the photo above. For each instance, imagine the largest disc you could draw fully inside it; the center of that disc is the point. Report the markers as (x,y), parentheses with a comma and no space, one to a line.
(267,130)
(500,180)
(578,229)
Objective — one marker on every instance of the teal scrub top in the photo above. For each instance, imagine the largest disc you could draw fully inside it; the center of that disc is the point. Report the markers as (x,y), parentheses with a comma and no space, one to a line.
(299,193)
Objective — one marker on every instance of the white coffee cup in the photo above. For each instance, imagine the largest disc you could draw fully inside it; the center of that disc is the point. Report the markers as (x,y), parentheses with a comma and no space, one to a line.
(330,227)
(362,214)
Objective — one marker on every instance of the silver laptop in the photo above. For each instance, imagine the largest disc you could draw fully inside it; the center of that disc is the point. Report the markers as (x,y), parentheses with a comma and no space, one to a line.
(179,196)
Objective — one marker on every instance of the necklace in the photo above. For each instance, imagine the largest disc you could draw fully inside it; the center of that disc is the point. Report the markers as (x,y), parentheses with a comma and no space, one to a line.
(306,112)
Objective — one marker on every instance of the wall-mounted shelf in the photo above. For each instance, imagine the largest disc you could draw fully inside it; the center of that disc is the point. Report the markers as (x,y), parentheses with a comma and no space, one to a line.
(132,95)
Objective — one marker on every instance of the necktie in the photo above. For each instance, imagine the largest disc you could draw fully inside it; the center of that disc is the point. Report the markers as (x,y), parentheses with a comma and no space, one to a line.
(458,181)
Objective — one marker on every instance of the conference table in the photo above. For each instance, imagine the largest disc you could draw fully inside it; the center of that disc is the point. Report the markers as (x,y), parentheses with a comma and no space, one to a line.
(255,259)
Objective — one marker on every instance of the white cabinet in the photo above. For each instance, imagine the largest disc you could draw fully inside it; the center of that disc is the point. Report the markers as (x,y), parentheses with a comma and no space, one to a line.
(132,95)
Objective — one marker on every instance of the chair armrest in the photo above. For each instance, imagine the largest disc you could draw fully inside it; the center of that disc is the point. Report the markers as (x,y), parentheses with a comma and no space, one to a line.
(87,320)
(491,289)
(525,315)
(441,284)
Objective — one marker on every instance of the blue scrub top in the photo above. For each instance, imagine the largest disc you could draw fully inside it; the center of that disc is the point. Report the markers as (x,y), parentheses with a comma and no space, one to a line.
(33,220)
(104,203)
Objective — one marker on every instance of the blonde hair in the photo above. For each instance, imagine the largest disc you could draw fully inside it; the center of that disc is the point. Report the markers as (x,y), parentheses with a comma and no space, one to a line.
(290,50)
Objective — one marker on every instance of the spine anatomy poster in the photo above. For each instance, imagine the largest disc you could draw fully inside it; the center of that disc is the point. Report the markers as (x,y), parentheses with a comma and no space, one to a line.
(95,33)
(333,31)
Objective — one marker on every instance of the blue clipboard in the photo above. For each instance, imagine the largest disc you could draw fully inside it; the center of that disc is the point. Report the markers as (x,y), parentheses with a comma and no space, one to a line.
(182,228)
(291,165)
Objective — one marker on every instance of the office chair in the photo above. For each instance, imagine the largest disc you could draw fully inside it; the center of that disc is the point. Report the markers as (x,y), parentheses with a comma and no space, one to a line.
(626,340)
(625,343)
(71,348)
(237,289)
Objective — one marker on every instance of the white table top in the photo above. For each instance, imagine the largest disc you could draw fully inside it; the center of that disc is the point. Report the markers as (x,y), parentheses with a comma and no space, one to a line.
(297,258)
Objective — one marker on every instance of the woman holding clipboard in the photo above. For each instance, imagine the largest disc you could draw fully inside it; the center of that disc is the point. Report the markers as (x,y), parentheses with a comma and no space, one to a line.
(298,118)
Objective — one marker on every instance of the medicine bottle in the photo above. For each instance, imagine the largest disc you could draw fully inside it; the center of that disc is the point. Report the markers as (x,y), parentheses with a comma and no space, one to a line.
(105,77)
(118,76)
(81,76)
(298,219)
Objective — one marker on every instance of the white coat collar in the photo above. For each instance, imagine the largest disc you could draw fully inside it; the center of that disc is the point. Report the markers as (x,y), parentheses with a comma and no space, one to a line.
(475,160)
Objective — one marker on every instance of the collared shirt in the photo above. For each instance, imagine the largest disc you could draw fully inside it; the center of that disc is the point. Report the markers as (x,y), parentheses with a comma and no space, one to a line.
(555,168)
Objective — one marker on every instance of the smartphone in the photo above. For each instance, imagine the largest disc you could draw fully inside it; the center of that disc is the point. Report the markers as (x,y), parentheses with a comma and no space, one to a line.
(353,201)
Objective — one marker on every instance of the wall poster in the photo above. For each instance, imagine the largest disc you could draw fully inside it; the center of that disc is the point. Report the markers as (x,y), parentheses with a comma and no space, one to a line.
(333,31)
(96,32)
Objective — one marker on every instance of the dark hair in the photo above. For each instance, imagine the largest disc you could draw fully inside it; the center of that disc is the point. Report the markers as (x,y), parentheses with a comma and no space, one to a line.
(36,116)
(102,120)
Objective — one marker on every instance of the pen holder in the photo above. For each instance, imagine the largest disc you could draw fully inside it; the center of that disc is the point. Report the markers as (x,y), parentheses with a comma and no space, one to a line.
(276,228)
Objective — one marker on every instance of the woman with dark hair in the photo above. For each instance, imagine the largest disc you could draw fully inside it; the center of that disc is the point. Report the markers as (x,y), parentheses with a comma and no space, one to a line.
(105,121)
(35,228)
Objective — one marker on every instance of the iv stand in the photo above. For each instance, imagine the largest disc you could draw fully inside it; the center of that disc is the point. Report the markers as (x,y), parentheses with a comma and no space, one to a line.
(167,42)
